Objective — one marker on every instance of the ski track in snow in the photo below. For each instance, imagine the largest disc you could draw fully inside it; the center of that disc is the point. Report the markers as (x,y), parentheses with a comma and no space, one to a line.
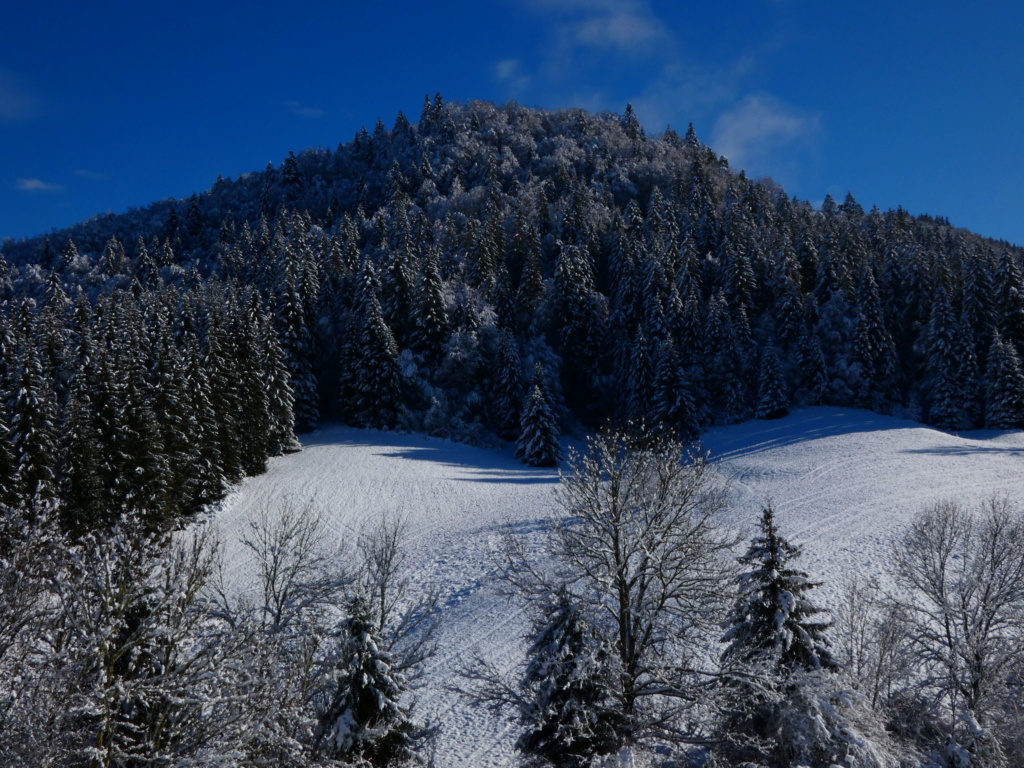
(843,482)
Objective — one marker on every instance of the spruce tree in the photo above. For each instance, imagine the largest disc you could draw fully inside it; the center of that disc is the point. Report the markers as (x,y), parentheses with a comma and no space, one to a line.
(377,398)
(296,337)
(33,430)
(674,410)
(538,435)
(1004,387)
(508,389)
(567,718)
(946,401)
(772,400)
(772,624)
(429,317)
(365,723)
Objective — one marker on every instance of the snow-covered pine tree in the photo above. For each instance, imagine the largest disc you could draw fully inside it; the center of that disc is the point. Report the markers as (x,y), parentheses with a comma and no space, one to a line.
(377,380)
(33,429)
(429,317)
(1004,387)
(772,400)
(508,389)
(674,409)
(773,624)
(295,335)
(566,713)
(874,350)
(946,402)
(253,401)
(812,374)
(1009,290)
(538,436)
(280,400)
(365,723)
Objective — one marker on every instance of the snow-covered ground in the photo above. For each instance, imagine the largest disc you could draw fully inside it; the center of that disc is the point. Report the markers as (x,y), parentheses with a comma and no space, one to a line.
(842,482)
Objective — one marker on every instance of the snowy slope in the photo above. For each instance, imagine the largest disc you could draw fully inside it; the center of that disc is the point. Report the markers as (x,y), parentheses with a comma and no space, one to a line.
(842,482)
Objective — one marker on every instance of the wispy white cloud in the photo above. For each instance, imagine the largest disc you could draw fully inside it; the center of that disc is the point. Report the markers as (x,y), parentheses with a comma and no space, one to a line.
(304,110)
(17,101)
(619,25)
(761,132)
(583,38)
(37,185)
(510,73)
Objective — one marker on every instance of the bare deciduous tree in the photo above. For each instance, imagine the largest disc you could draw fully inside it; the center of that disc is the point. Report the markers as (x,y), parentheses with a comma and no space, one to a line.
(404,619)
(872,634)
(963,577)
(636,540)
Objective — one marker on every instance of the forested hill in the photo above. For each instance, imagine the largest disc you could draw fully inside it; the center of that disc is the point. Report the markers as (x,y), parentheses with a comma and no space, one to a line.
(490,270)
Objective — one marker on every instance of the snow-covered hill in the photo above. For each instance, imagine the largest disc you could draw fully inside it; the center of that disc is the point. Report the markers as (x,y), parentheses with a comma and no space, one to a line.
(842,482)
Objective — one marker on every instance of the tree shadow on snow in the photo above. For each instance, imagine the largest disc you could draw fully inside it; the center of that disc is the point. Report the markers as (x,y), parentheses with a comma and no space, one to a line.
(476,465)
(801,426)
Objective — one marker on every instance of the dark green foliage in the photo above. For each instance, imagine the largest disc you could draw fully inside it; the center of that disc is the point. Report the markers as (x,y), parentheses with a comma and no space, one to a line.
(772,401)
(538,436)
(947,401)
(365,722)
(33,430)
(772,624)
(508,389)
(1004,387)
(674,407)
(429,317)
(376,383)
(567,715)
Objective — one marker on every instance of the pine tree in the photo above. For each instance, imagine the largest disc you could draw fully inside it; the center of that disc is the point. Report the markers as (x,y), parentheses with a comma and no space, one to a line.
(772,624)
(280,399)
(296,337)
(538,435)
(812,374)
(508,389)
(674,409)
(1004,387)
(567,719)
(33,430)
(429,317)
(874,349)
(1009,288)
(947,408)
(576,318)
(376,397)
(772,400)
(365,722)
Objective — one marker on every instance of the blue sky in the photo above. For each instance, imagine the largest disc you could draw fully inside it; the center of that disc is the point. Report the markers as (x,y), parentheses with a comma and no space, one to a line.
(919,104)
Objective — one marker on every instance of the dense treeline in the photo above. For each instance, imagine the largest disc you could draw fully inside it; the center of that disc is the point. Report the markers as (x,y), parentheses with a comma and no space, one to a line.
(145,403)
(434,276)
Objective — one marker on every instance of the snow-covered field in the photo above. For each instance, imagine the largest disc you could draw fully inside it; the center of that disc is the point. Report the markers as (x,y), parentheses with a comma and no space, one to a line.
(842,482)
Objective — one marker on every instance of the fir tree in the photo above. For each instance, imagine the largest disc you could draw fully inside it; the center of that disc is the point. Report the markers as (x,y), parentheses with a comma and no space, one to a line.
(538,435)
(1004,387)
(772,624)
(33,425)
(377,379)
(946,401)
(674,409)
(566,715)
(365,722)
(429,317)
(772,401)
(296,337)
(508,389)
